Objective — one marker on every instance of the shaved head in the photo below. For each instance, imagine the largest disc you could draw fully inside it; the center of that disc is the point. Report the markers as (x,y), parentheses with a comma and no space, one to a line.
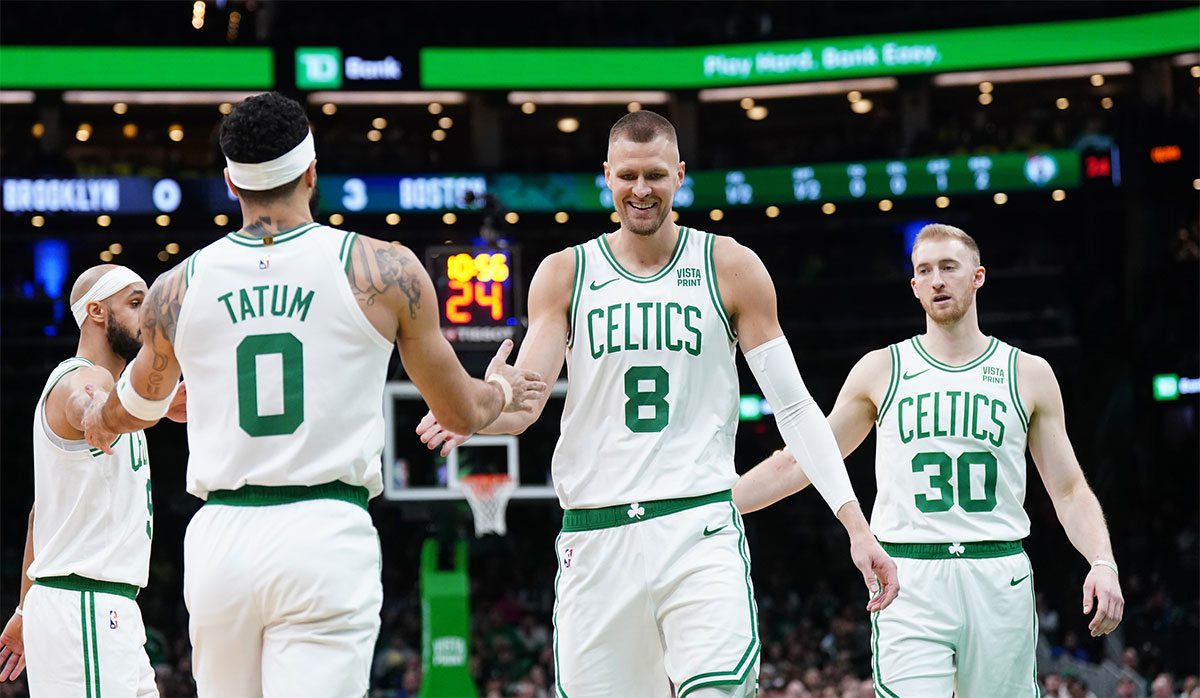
(643,127)
(88,279)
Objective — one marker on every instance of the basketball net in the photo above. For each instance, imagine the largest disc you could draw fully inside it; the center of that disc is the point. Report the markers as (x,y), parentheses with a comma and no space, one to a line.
(488,495)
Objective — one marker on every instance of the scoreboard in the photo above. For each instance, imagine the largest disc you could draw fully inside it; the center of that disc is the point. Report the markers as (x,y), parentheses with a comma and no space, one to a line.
(478,293)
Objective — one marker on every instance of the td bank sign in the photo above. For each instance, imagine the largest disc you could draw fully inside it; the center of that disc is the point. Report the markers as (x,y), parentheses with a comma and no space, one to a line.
(325,68)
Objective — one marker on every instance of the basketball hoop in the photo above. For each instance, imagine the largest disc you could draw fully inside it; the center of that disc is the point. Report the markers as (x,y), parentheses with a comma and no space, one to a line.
(488,495)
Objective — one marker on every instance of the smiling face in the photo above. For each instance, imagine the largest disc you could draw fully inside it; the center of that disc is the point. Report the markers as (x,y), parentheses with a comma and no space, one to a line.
(945,279)
(643,178)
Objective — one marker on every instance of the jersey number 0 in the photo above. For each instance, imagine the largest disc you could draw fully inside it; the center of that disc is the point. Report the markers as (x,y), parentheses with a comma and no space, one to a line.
(291,350)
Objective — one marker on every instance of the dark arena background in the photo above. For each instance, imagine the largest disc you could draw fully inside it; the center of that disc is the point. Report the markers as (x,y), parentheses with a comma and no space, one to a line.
(1063,136)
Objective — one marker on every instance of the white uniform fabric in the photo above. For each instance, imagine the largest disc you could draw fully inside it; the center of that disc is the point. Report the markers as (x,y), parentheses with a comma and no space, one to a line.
(284,600)
(652,408)
(293,371)
(950,454)
(959,627)
(84,643)
(94,513)
(951,469)
(284,596)
(661,602)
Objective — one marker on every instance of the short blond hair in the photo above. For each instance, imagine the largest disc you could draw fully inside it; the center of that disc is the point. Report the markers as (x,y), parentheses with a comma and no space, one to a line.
(940,231)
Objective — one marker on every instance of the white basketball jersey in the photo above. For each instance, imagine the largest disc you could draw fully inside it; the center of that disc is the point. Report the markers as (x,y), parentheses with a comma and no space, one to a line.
(950,455)
(652,403)
(284,372)
(93,514)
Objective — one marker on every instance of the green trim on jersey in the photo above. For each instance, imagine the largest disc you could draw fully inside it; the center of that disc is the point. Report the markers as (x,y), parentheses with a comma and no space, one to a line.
(74,582)
(1014,392)
(190,269)
(95,650)
(576,293)
(714,289)
(741,672)
(987,353)
(292,234)
(265,496)
(953,551)
(893,384)
(680,244)
(881,689)
(347,245)
(87,669)
(625,514)
(554,621)
(1037,690)
(61,364)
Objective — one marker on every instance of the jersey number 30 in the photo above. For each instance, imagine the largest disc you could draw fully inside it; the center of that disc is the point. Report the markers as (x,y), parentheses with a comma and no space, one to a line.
(940,479)
(291,350)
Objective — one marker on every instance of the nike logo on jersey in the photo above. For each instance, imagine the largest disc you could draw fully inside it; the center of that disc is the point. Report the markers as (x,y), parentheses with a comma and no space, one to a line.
(709,533)
(908,375)
(1015,582)
(597,286)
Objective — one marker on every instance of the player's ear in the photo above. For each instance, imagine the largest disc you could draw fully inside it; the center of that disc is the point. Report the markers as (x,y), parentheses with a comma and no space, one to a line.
(229,183)
(913,282)
(980,277)
(310,175)
(607,175)
(679,176)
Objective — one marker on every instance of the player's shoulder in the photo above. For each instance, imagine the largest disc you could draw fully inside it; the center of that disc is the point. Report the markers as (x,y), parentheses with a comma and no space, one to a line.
(877,362)
(1033,368)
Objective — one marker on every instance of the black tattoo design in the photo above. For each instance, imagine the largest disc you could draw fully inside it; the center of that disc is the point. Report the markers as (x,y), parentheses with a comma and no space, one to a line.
(160,318)
(260,228)
(375,269)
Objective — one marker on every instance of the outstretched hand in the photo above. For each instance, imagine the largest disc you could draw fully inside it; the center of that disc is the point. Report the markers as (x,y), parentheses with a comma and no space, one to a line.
(1102,586)
(433,435)
(98,434)
(527,386)
(878,571)
(12,649)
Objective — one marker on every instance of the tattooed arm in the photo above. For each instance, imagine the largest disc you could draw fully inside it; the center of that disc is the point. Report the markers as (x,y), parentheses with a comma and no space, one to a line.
(398,298)
(155,371)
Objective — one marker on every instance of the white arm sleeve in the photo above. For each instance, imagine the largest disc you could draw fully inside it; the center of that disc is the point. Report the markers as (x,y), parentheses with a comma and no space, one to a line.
(800,421)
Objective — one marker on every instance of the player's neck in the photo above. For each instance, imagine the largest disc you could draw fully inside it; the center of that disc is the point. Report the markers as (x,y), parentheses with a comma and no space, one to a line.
(954,343)
(273,219)
(645,254)
(95,348)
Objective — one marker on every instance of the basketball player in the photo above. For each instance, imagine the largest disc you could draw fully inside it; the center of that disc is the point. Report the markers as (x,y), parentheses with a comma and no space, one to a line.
(653,588)
(955,410)
(291,325)
(87,552)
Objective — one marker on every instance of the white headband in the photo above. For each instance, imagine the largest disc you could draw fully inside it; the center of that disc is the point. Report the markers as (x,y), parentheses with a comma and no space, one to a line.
(260,176)
(110,283)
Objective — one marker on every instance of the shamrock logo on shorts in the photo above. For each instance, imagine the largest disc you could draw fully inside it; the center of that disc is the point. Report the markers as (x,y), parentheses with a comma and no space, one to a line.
(957,549)
(636,511)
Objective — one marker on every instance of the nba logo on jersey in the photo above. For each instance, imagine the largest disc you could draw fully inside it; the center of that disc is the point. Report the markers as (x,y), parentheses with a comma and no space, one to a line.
(264,262)
(567,557)
(112,620)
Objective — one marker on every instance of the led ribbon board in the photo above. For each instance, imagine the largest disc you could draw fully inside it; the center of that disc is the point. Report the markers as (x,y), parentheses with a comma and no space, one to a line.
(135,67)
(811,59)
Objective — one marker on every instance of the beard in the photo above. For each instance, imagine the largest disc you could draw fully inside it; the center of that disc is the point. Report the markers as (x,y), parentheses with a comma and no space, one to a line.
(646,228)
(314,201)
(950,315)
(123,343)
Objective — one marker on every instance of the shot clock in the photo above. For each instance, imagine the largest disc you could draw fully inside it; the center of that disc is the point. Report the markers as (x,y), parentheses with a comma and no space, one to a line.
(478,290)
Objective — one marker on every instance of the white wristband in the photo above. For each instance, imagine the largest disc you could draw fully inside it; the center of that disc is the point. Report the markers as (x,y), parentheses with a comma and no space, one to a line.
(138,406)
(1111,565)
(505,387)
(19,612)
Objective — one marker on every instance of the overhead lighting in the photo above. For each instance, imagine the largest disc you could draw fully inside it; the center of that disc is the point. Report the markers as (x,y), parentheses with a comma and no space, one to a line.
(104,221)
(862,106)
(172,248)
(393,219)
(38,130)
(106,256)
(116,247)
(175,132)
(163,220)
(16,96)
(568,124)
(853,96)
(716,214)
(772,212)
(797,89)
(1106,102)
(438,135)
(633,106)
(986,87)
(336,219)
(225,108)
(1049,72)
(120,108)
(1097,80)
(757,113)
(885,205)
(37,221)
(511,218)
(445,122)
(1195,71)
(221,219)
(589,97)
(449,218)
(528,108)
(1000,198)
(1058,195)
(329,109)
(1196,184)
(746,102)
(1183,59)
(1062,103)
(83,132)
(614,217)
(211,97)
(674,216)
(942,201)
(561,217)
(433,99)
(828,208)
(379,122)
(985,98)
(162,255)
(374,135)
